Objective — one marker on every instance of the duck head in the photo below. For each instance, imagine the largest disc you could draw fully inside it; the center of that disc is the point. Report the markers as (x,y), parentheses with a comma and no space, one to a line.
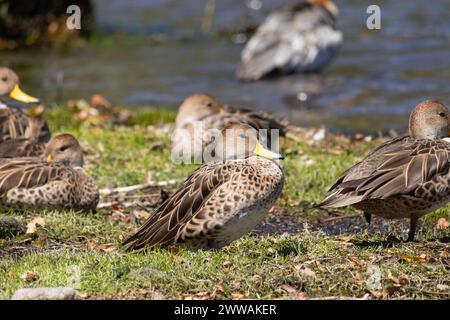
(429,120)
(240,141)
(196,107)
(9,87)
(65,149)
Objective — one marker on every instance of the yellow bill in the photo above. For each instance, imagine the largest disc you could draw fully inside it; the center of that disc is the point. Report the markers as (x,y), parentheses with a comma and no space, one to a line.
(19,95)
(263,152)
(222,111)
(49,158)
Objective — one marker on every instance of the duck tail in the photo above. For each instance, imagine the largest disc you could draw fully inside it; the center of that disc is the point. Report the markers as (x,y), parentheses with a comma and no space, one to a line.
(337,200)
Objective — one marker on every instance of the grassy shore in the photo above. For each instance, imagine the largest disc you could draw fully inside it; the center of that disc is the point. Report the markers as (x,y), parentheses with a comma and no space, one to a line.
(297,253)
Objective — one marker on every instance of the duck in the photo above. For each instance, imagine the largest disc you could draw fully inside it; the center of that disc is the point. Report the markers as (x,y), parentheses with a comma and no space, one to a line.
(219,202)
(28,146)
(406,177)
(13,121)
(56,180)
(301,37)
(201,116)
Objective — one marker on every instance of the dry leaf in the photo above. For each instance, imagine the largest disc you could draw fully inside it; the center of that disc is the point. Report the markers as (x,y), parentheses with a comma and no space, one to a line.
(32,225)
(220,288)
(293,293)
(443,287)
(29,276)
(442,224)
(203,296)
(141,214)
(421,258)
(307,272)
(237,296)
(101,247)
(389,291)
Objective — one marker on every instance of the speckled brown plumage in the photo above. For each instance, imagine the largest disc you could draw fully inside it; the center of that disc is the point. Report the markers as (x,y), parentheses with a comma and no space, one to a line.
(217,204)
(406,177)
(31,145)
(29,185)
(53,181)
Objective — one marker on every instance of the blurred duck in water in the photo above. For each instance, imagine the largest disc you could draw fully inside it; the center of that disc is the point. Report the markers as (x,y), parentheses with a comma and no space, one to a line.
(301,37)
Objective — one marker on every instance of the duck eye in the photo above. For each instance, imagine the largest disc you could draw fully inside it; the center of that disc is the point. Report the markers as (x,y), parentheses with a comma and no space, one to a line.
(209,105)
(63,148)
(442,114)
(4,79)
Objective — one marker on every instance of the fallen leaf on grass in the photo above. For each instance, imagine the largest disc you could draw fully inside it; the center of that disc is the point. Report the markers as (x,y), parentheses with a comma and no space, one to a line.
(443,287)
(442,224)
(390,291)
(422,258)
(32,225)
(237,296)
(119,216)
(141,214)
(305,271)
(201,296)
(293,293)
(29,276)
(101,247)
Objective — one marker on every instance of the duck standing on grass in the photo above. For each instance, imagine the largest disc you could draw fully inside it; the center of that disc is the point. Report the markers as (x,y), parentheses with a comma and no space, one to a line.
(407,177)
(300,37)
(219,202)
(14,122)
(200,113)
(54,181)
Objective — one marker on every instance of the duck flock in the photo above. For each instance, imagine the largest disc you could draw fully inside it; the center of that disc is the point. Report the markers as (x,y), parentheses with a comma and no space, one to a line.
(407,177)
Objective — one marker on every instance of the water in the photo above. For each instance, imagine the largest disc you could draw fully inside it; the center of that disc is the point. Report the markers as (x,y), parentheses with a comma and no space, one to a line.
(155,53)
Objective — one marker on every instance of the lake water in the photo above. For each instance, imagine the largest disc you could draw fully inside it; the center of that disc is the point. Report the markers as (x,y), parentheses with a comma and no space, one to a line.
(155,53)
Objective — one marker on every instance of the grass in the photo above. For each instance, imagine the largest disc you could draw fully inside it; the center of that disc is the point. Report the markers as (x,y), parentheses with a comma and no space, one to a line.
(332,256)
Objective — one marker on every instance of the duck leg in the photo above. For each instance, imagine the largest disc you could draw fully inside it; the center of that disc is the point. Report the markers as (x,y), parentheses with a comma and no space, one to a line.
(412,228)
(368,217)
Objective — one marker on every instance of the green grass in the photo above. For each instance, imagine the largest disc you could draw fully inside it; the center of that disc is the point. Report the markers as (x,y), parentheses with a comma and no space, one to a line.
(81,250)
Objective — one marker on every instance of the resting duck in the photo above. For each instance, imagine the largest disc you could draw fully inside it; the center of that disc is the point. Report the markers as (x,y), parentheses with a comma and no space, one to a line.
(13,121)
(201,115)
(54,181)
(219,202)
(407,177)
(300,37)
(28,146)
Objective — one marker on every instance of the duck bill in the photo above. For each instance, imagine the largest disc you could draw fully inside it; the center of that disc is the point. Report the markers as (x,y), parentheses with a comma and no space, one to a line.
(221,110)
(49,159)
(263,152)
(21,96)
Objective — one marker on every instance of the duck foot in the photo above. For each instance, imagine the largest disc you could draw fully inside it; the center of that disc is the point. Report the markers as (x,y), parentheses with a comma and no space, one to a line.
(368,217)
(412,229)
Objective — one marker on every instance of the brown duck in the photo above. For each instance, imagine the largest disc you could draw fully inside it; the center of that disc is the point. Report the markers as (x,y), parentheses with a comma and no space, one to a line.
(54,181)
(219,202)
(407,177)
(28,146)
(14,122)
(200,113)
